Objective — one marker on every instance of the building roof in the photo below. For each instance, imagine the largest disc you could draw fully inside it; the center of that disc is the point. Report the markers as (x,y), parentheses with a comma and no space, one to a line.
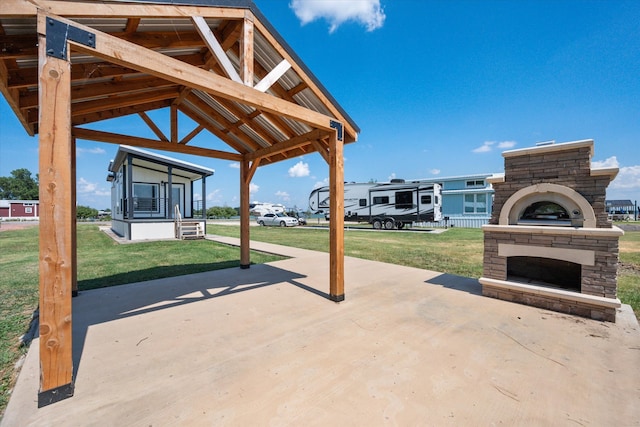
(148,159)
(218,62)
(623,203)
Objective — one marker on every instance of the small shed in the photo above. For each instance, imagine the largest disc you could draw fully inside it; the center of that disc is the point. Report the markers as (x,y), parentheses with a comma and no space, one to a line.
(67,66)
(152,195)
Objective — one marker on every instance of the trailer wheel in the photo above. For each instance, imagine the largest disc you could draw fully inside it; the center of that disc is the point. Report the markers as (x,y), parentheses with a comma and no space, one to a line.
(400,225)
(388,224)
(377,224)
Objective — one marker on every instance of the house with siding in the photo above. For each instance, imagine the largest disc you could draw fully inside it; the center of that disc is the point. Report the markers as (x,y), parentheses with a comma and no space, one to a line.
(152,196)
(466,199)
(19,209)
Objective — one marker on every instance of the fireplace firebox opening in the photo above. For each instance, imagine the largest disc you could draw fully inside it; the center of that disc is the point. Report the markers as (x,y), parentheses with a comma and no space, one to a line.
(544,272)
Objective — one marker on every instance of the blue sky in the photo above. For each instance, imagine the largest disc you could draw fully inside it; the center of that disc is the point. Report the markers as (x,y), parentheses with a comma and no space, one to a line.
(438,88)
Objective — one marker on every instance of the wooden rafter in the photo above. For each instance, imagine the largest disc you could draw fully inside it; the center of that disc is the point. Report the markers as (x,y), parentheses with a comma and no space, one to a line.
(114,138)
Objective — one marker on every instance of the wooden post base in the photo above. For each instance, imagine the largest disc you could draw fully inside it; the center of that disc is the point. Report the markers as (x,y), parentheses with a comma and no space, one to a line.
(55,395)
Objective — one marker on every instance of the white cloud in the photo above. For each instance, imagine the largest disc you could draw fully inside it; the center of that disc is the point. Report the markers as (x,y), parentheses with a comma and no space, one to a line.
(490,145)
(505,145)
(214,196)
(283,195)
(96,150)
(484,148)
(322,183)
(234,165)
(337,12)
(298,170)
(86,188)
(253,188)
(435,171)
(392,176)
(611,162)
(628,178)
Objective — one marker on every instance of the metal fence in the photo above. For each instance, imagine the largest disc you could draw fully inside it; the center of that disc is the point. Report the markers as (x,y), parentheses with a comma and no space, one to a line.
(464,222)
(158,208)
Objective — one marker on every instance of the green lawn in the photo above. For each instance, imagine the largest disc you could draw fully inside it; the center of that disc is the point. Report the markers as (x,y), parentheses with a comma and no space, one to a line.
(102,262)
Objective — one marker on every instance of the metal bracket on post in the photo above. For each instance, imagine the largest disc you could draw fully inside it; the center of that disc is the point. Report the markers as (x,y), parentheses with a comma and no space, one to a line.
(338,127)
(58,33)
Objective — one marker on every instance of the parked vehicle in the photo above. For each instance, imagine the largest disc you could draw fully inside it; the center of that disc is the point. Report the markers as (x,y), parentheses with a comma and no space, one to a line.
(395,204)
(259,208)
(278,219)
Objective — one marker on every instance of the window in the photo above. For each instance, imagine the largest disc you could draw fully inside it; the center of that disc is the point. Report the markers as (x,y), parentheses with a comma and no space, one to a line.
(363,202)
(475,183)
(475,203)
(380,200)
(404,199)
(145,197)
(425,199)
(28,210)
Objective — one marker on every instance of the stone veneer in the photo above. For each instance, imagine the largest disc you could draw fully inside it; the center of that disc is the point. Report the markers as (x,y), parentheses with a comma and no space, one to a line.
(561,173)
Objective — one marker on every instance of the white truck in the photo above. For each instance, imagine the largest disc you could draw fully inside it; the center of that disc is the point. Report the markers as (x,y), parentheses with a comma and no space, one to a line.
(389,205)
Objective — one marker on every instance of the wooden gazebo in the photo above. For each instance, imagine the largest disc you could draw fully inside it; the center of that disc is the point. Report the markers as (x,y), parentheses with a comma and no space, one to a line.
(66,66)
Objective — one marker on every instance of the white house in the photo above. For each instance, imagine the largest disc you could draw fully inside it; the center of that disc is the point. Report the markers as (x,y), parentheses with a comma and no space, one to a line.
(152,196)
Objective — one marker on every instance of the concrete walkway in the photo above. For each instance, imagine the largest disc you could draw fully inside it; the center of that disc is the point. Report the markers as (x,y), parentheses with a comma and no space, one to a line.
(264,346)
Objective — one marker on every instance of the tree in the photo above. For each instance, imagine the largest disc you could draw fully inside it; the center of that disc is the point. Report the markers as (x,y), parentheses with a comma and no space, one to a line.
(85,212)
(220,212)
(19,186)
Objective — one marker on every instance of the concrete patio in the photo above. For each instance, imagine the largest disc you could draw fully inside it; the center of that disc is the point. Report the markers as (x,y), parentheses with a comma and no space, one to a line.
(264,346)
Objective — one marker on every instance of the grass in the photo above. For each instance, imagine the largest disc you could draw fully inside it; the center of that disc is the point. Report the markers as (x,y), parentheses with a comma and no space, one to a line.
(102,262)
(457,251)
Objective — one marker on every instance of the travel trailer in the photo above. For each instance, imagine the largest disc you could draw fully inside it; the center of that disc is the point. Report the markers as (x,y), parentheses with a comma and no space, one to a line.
(260,209)
(389,205)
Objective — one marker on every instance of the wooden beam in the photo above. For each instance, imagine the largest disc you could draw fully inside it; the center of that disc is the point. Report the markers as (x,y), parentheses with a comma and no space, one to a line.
(322,149)
(57,222)
(286,145)
(273,76)
(252,171)
(12,96)
(173,111)
(336,225)
(194,112)
(114,138)
(333,109)
(92,8)
(191,134)
(216,49)
(130,55)
(89,91)
(245,251)
(145,117)
(118,112)
(97,105)
(246,50)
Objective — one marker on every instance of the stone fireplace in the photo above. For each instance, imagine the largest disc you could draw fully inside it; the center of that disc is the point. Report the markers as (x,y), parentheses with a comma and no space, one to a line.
(549,242)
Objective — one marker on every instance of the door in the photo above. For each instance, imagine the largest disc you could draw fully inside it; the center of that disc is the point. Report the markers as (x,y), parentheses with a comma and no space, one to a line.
(177,198)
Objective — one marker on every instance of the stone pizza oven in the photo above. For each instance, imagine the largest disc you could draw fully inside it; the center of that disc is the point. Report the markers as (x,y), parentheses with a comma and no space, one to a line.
(549,242)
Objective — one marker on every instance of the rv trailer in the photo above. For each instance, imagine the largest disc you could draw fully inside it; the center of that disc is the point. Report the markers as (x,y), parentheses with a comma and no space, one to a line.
(260,209)
(389,205)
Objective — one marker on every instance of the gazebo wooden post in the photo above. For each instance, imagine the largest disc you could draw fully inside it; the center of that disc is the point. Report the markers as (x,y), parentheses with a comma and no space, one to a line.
(247,170)
(245,180)
(336,212)
(57,262)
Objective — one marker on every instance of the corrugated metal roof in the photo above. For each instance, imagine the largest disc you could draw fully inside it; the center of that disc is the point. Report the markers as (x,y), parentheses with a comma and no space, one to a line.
(103,90)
